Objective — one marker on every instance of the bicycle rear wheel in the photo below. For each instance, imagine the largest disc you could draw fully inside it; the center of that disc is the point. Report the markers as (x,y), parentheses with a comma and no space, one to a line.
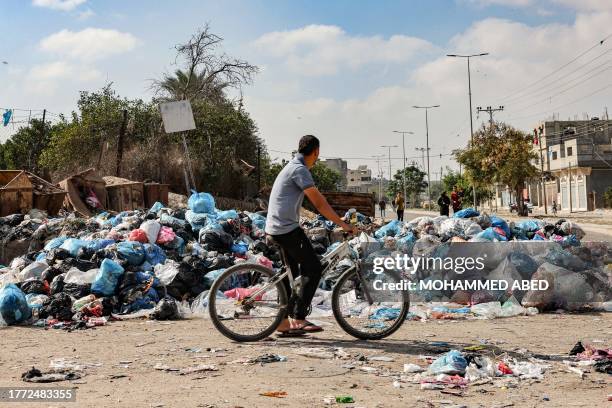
(239,316)
(367,313)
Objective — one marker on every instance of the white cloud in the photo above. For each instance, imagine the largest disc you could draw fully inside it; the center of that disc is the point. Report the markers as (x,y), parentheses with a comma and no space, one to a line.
(586,5)
(88,44)
(84,15)
(63,5)
(507,3)
(47,78)
(519,55)
(324,50)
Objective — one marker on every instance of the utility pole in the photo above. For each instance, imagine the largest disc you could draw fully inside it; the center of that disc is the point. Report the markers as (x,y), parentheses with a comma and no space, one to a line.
(120,143)
(490,111)
(482,54)
(427,108)
(403,132)
(380,175)
(422,150)
(538,134)
(389,147)
(569,170)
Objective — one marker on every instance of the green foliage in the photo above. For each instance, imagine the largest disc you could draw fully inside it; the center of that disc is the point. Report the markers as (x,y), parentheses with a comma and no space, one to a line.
(415,183)
(453,178)
(325,178)
(22,150)
(499,154)
(607,196)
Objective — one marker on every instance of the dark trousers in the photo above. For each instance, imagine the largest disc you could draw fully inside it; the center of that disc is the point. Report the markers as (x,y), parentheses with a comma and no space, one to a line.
(303,262)
(400,215)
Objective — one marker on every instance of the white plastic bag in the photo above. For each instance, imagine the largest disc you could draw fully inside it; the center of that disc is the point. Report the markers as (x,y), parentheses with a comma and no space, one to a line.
(166,272)
(151,228)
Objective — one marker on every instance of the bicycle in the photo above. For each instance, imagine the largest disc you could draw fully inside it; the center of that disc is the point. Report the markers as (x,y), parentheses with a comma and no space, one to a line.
(254,300)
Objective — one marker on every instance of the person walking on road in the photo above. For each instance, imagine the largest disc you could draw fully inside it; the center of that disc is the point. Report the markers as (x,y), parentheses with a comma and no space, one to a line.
(444,203)
(382,205)
(455,200)
(399,206)
(282,225)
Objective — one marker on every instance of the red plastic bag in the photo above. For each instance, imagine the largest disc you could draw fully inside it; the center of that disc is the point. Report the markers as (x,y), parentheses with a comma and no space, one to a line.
(139,235)
(166,235)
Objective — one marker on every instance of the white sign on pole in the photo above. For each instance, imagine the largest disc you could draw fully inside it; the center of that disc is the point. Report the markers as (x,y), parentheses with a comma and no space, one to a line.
(177,116)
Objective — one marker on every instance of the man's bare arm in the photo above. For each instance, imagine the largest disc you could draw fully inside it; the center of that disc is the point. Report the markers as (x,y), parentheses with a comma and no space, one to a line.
(318,200)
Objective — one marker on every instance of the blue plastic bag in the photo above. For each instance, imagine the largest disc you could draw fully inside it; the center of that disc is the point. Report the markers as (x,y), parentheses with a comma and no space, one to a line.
(132,252)
(466,213)
(391,229)
(490,235)
(154,255)
(105,282)
(239,248)
(156,207)
(98,244)
(226,215)
(450,363)
(73,245)
(201,203)
(41,257)
(500,223)
(14,306)
(385,313)
(196,220)
(258,220)
(55,243)
(530,225)
(405,244)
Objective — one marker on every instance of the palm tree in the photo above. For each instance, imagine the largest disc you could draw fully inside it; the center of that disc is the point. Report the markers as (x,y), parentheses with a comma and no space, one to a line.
(197,86)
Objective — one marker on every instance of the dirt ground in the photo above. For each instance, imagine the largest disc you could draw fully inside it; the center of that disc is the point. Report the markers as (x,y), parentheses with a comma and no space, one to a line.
(123,356)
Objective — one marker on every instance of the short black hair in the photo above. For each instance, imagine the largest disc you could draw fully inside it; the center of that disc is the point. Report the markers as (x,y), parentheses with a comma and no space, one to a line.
(308,144)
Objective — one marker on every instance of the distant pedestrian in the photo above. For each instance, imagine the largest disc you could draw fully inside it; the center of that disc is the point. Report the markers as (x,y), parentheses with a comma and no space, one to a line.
(455,200)
(444,203)
(399,206)
(554,208)
(382,204)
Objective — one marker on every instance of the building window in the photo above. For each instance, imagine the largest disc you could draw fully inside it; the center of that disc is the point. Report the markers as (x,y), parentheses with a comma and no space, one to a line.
(554,155)
(569,151)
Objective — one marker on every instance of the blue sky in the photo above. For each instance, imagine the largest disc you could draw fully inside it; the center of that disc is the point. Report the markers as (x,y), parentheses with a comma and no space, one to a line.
(348,71)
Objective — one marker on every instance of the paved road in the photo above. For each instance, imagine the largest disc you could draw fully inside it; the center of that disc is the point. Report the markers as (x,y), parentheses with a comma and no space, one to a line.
(594,232)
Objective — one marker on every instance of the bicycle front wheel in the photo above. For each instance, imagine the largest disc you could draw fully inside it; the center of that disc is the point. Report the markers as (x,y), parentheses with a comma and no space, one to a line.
(365,312)
(246,304)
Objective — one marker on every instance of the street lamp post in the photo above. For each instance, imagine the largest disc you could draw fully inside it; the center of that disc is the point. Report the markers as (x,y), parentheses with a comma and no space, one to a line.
(389,147)
(427,146)
(482,54)
(403,132)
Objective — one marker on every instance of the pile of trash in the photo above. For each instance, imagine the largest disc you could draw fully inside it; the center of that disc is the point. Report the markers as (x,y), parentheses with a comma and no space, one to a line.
(81,272)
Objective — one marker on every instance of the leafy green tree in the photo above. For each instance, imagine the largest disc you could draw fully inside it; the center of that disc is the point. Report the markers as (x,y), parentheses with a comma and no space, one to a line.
(500,154)
(415,184)
(325,179)
(453,178)
(23,149)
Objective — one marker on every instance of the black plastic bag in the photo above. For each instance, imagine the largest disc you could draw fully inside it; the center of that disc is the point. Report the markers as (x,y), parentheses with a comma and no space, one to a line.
(57,285)
(166,309)
(77,291)
(58,306)
(34,286)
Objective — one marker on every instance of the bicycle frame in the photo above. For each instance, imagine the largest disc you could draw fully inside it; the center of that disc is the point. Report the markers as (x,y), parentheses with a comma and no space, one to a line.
(331,260)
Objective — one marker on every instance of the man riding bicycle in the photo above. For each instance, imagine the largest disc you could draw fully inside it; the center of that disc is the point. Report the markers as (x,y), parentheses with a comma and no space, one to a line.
(282,224)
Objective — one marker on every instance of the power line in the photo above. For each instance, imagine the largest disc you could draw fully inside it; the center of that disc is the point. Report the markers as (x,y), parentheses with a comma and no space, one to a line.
(562,91)
(561,106)
(555,82)
(557,69)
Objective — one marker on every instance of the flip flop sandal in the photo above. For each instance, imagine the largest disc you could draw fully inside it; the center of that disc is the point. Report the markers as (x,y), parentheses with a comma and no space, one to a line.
(291,333)
(311,328)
